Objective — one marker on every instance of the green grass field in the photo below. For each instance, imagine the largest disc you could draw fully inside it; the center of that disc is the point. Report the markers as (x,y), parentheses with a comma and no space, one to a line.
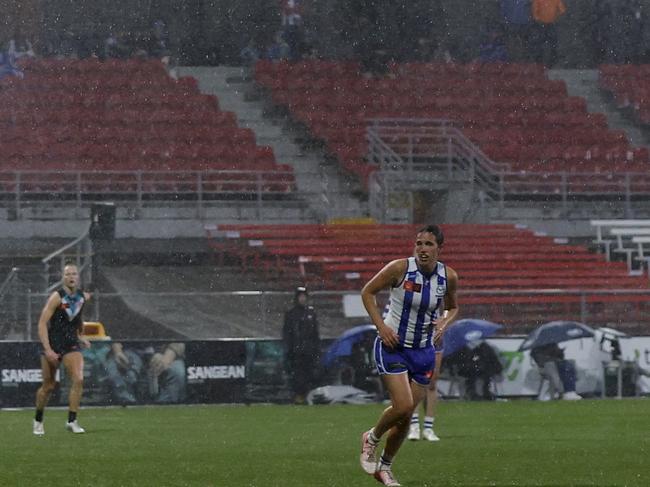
(517,443)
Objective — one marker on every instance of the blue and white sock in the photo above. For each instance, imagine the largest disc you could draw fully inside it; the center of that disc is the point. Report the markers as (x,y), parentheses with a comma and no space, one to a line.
(385,462)
(428,422)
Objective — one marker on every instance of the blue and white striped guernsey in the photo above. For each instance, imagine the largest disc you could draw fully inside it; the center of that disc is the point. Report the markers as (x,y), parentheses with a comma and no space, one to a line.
(415,303)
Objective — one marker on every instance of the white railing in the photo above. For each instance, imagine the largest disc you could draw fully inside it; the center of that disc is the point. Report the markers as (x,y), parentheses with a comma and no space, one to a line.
(13,273)
(422,149)
(138,190)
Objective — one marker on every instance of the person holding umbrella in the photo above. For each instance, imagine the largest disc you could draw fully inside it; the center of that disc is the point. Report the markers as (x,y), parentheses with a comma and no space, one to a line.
(549,357)
(561,373)
(421,289)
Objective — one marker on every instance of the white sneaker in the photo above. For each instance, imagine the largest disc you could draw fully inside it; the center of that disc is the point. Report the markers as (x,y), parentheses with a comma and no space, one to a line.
(74,427)
(429,435)
(571,396)
(368,458)
(414,432)
(385,476)
(38,429)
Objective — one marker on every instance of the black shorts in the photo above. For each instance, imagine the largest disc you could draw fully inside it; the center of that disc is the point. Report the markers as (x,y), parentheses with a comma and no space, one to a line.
(65,348)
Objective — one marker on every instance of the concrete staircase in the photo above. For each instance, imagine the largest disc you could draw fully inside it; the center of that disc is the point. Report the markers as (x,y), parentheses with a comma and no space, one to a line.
(584,83)
(328,192)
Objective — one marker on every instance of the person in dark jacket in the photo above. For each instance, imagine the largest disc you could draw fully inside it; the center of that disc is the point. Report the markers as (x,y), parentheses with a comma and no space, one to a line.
(478,363)
(302,344)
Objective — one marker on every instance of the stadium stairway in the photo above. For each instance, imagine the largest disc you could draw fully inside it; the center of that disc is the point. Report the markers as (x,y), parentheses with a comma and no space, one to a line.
(333,196)
(584,83)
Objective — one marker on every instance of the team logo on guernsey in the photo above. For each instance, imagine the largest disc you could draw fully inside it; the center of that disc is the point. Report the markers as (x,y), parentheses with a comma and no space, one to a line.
(72,305)
(440,291)
(412,287)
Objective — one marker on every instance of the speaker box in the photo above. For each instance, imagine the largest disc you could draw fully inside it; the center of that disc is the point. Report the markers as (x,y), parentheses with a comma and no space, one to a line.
(102,221)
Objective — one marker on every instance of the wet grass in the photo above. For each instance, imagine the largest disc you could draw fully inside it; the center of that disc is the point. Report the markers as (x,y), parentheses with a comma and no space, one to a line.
(518,443)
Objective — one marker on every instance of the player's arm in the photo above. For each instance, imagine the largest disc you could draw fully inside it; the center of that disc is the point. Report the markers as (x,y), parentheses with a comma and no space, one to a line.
(451,305)
(82,339)
(53,302)
(386,278)
(80,331)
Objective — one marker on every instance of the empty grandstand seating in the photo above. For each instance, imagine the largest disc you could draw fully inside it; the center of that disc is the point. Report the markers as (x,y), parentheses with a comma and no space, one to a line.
(499,265)
(87,116)
(629,84)
(513,112)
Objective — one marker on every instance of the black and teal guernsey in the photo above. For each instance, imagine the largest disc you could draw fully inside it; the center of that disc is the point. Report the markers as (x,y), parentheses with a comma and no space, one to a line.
(66,322)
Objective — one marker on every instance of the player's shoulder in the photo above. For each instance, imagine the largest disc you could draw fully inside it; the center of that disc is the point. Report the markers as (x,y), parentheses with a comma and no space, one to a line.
(57,295)
(398,264)
(451,273)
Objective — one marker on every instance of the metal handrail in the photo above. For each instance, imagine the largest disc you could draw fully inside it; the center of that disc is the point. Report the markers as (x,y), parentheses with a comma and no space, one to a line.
(67,246)
(83,258)
(13,273)
(444,141)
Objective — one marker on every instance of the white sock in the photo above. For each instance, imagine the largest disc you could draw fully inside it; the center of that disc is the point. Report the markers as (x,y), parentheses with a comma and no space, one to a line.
(428,422)
(415,419)
(372,438)
(385,462)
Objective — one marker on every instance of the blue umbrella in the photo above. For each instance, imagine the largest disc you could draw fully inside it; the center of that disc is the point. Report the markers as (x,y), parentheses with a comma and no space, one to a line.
(467,330)
(556,332)
(342,346)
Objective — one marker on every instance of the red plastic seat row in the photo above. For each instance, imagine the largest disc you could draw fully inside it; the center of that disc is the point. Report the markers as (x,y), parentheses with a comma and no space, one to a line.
(331,256)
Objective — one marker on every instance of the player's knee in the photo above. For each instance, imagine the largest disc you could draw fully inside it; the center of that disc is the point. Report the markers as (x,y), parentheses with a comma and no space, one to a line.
(404,408)
(77,381)
(48,387)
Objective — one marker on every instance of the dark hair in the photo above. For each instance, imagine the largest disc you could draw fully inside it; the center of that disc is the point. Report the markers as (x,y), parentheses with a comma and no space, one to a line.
(434,230)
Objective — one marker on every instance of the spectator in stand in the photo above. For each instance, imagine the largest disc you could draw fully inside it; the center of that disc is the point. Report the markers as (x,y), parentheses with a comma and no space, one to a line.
(493,49)
(115,46)
(279,50)
(546,13)
(443,53)
(561,373)
(601,22)
(20,49)
(159,39)
(627,40)
(292,28)
(517,26)
(7,67)
(249,55)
